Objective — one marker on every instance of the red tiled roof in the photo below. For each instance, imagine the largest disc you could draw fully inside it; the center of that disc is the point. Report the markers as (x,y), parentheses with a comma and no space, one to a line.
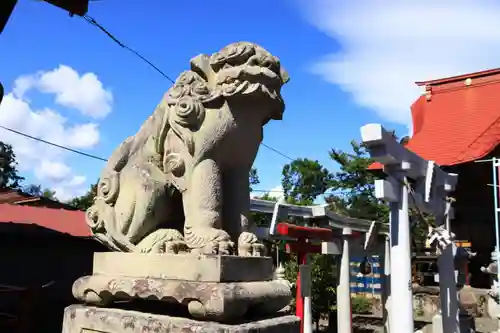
(65,221)
(457,120)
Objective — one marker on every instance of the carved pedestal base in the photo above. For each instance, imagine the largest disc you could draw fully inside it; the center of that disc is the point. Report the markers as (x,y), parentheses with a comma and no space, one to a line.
(86,319)
(218,301)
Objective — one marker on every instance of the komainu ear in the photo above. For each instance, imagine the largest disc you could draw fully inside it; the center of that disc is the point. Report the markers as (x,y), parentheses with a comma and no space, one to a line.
(201,66)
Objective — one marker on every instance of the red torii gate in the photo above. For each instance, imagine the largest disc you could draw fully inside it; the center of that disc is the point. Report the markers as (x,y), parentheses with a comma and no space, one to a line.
(301,244)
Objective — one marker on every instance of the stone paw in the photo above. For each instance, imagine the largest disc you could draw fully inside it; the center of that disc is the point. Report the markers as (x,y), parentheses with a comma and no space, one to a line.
(225,247)
(174,247)
(249,245)
(209,241)
(162,241)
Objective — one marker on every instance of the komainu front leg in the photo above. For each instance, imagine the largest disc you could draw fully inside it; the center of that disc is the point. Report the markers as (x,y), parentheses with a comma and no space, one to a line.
(237,211)
(203,207)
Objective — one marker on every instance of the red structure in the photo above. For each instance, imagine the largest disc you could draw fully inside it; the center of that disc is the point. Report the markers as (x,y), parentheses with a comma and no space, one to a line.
(71,222)
(43,250)
(16,197)
(302,247)
(456,121)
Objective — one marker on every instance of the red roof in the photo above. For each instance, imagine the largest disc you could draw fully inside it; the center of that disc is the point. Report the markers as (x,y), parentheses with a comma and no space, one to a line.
(65,221)
(457,119)
(17,197)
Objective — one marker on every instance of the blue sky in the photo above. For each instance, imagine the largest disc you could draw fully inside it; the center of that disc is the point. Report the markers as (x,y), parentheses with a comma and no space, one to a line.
(351,63)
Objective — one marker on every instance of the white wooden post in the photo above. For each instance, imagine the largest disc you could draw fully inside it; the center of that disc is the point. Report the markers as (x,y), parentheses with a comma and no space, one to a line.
(429,187)
(386,286)
(344,316)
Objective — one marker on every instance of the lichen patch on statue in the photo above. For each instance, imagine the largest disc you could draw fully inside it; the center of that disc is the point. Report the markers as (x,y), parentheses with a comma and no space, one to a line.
(180,185)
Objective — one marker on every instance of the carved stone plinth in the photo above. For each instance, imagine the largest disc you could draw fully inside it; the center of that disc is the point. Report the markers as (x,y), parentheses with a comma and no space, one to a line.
(219,301)
(203,268)
(86,319)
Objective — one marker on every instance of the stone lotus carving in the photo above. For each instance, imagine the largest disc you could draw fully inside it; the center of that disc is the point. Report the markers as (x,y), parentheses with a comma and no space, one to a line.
(181,183)
(204,300)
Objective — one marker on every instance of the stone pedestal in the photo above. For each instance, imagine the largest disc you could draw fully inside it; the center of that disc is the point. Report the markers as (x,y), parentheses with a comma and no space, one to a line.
(87,319)
(215,293)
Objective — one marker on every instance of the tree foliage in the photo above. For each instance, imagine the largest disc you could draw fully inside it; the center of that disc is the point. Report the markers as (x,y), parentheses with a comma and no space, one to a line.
(304,180)
(9,175)
(353,185)
(253,178)
(353,192)
(85,201)
(38,191)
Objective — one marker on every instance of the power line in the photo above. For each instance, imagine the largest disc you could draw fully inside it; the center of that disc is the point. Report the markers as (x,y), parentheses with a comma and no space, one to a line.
(93,22)
(276,151)
(53,144)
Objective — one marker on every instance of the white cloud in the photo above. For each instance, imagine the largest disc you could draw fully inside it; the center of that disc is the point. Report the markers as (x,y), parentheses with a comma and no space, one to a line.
(56,172)
(48,163)
(385,46)
(276,192)
(84,93)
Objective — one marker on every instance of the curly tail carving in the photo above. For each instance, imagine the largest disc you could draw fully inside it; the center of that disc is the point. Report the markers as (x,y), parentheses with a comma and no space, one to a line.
(108,187)
(100,217)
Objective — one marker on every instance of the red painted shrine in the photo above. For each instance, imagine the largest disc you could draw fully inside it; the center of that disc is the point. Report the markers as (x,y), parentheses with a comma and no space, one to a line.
(456,121)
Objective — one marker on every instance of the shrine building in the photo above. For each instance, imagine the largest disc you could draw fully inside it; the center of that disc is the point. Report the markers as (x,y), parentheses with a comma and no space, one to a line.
(456,123)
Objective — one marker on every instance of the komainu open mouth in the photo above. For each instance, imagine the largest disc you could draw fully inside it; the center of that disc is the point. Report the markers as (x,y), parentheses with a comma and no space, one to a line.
(245,61)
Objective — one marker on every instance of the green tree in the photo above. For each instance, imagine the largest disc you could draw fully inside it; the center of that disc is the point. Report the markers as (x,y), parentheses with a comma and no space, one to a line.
(304,180)
(38,191)
(353,191)
(253,177)
(353,185)
(85,201)
(9,175)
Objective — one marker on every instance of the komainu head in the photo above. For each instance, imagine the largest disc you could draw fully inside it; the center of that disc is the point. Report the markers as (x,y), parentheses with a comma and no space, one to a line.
(242,70)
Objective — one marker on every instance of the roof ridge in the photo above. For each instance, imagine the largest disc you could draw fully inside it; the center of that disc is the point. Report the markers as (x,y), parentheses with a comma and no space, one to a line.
(459,77)
(40,207)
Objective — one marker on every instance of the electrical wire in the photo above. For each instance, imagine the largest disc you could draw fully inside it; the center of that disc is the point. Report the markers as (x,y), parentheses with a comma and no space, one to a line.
(53,144)
(276,151)
(93,22)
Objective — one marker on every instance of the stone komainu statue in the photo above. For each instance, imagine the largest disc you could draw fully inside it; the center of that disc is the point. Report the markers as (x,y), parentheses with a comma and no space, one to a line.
(181,183)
